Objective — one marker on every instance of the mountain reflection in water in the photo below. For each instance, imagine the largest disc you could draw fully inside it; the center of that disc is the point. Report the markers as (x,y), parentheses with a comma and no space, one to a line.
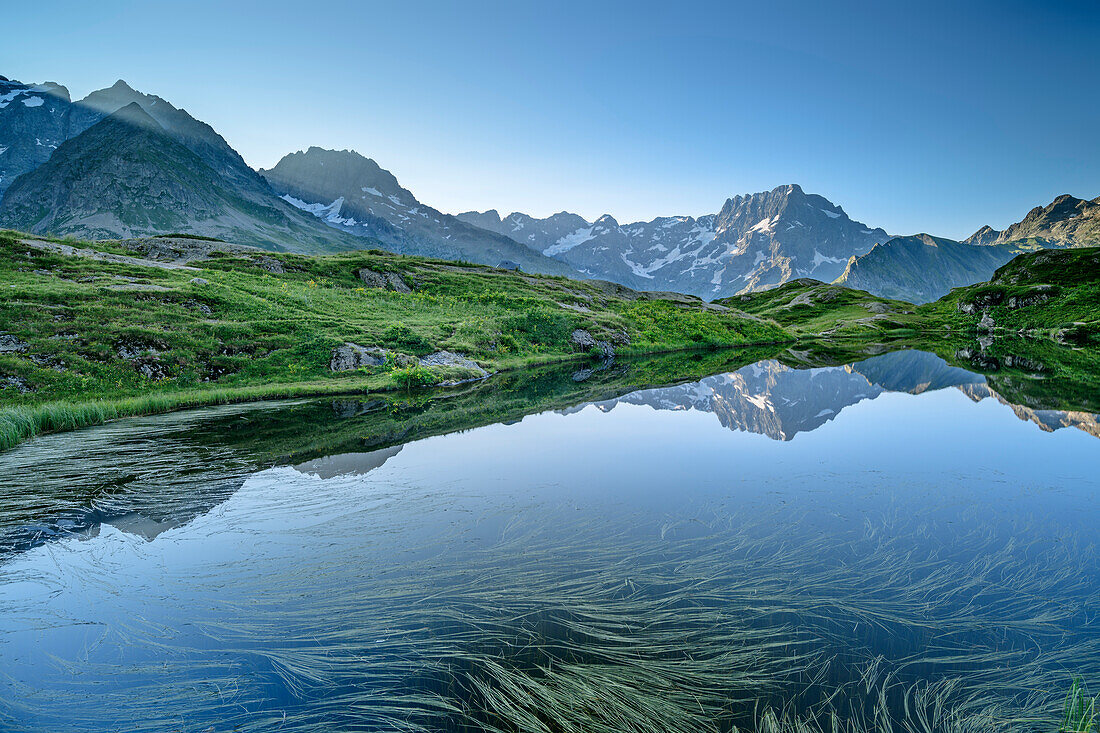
(779,401)
(560,551)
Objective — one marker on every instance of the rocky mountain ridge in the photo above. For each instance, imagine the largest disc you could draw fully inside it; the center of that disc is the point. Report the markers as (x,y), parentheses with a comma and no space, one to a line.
(353,193)
(754,241)
(923,268)
(1067,221)
(104,202)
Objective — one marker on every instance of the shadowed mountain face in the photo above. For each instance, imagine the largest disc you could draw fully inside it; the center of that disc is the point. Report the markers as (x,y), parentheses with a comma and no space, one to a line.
(923,268)
(755,241)
(128,176)
(354,194)
(34,120)
(80,192)
(780,402)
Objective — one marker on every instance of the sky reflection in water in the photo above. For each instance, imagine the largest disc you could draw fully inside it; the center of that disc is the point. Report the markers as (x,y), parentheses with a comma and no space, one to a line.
(358,590)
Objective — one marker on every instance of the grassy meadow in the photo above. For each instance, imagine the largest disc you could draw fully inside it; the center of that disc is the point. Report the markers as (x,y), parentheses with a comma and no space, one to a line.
(87,339)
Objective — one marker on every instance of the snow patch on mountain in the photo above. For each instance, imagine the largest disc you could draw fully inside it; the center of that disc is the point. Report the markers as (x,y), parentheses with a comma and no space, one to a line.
(328,212)
(570,241)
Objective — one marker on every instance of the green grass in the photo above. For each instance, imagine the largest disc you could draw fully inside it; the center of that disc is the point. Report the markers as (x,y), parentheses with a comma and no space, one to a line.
(114,339)
(104,339)
(1081,711)
(1050,293)
(808,307)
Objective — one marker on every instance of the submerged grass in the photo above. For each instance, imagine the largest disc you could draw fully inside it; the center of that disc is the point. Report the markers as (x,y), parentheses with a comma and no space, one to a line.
(21,422)
(548,620)
(713,623)
(1081,711)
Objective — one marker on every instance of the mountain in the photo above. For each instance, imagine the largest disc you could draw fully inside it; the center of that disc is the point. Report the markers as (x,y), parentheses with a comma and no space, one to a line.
(755,241)
(923,268)
(127,176)
(1065,222)
(34,120)
(355,194)
(772,399)
(252,213)
(1049,292)
(768,398)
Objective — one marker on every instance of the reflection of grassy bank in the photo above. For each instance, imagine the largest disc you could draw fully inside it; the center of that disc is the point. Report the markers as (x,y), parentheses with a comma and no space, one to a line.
(1037,373)
(253,437)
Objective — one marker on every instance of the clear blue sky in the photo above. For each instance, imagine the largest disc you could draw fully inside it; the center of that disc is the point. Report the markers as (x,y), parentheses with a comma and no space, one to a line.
(936,116)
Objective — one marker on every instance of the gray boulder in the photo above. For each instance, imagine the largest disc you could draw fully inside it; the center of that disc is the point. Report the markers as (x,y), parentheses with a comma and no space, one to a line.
(348,356)
(10,344)
(582,340)
(451,359)
(397,283)
(383,280)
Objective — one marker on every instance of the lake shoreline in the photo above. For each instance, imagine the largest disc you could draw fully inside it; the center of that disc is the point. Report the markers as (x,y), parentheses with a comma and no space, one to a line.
(24,422)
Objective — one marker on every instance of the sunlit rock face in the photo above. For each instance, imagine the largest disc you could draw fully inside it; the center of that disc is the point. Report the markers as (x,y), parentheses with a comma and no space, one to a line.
(754,241)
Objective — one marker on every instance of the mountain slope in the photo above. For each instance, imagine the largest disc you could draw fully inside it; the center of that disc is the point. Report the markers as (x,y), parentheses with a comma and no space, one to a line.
(922,268)
(811,307)
(755,241)
(277,323)
(127,176)
(1065,222)
(1051,291)
(353,193)
(34,120)
(28,135)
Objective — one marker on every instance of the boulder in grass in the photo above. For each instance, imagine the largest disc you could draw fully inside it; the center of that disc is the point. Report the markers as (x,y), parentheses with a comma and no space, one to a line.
(383,280)
(582,340)
(451,359)
(10,344)
(348,356)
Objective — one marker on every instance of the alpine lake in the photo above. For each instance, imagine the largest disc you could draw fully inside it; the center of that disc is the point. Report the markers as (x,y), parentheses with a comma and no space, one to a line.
(841,538)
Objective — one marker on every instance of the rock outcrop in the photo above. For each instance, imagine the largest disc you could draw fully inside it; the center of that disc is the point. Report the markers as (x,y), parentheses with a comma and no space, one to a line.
(348,356)
(451,359)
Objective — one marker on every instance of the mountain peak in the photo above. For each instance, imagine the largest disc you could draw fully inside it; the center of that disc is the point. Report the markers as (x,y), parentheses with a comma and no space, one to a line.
(134,115)
(121,86)
(985,235)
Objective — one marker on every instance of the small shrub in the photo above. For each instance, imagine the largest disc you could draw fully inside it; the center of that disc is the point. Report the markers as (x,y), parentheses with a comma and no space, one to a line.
(540,327)
(404,338)
(414,376)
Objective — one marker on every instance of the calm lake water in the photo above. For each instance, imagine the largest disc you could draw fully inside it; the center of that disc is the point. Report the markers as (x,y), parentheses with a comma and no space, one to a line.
(885,545)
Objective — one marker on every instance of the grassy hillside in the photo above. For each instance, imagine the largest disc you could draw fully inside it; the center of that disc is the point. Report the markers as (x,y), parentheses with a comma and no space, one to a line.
(131,335)
(91,331)
(808,307)
(1047,293)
